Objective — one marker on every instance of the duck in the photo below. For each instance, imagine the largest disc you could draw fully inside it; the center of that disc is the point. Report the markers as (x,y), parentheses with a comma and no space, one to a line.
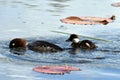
(37,46)
(84,44)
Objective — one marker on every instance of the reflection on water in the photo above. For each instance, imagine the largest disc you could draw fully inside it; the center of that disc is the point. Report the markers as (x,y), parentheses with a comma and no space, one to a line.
(54,6)
(57,6)
(60,0)
(3,2)
(26,4)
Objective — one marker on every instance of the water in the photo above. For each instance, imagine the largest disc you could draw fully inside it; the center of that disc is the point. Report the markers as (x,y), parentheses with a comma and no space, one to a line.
(34,20)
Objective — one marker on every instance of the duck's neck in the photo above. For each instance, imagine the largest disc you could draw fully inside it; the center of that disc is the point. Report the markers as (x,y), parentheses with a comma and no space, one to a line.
(76,40)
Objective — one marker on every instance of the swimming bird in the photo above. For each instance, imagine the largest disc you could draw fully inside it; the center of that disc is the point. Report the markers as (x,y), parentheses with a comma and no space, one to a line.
(84,44)
(37,46)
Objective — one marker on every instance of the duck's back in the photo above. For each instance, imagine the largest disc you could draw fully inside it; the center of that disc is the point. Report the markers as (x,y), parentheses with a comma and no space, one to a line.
(43,46)
(87,44)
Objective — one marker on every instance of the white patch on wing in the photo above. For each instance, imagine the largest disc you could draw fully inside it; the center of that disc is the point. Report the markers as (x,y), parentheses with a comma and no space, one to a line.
(48,47)
(87,44)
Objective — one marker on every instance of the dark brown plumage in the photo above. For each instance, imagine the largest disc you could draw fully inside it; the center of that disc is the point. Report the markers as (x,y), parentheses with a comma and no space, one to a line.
(84,44)
(37,46)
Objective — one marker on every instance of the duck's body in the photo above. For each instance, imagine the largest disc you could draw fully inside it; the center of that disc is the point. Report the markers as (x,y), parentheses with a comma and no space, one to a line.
(37,46)
(84,44)
(43,46)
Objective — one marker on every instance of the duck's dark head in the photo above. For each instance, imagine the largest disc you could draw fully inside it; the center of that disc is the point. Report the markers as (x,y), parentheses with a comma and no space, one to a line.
(74,38)
(18,46)
(17,43)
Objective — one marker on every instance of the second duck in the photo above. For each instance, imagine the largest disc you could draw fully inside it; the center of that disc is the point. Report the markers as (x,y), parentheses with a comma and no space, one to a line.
(84,44)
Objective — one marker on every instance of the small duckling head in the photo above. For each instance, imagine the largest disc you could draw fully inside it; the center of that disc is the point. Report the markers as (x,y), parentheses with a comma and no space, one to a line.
(74,38)
(17,43)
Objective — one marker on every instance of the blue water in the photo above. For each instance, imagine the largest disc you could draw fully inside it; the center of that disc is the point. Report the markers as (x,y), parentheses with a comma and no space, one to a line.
(34,20)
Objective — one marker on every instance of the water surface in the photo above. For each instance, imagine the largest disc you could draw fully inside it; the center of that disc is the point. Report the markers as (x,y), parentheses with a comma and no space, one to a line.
(34,20)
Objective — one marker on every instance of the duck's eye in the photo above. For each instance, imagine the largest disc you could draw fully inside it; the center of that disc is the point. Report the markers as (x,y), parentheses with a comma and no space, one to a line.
(13,44)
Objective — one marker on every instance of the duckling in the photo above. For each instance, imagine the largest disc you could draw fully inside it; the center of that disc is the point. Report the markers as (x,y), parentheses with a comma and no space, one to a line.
(84,44)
